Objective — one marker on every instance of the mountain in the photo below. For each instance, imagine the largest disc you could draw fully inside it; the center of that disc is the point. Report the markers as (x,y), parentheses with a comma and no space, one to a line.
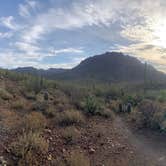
(50,73)
(110,66)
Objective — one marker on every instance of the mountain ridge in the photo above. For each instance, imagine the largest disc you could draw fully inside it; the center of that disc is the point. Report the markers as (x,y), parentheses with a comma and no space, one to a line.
(110,66)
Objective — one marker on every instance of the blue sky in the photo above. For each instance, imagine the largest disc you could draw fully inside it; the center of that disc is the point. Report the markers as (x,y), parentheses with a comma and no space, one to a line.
(61,33)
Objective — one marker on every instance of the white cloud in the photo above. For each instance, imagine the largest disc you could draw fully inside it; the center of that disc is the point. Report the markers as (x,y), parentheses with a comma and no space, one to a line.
(141,23)
(26,8)
(6,35)
(27,48)
(8,22)
(67,50)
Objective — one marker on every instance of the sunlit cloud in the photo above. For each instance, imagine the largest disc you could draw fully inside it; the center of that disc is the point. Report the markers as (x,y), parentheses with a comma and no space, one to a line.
(134,27)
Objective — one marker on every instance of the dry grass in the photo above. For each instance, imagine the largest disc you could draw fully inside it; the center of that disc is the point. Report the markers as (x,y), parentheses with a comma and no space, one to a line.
(71,135)
(68,118)
(34,121)
(10,121)
(18,105)
(27,147)
(78,159)
(5,95)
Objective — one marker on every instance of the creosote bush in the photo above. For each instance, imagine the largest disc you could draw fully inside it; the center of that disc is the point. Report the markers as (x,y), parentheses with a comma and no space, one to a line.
(150,114)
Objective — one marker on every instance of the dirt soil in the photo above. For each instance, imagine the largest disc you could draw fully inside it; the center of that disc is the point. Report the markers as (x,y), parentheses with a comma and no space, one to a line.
(107,143)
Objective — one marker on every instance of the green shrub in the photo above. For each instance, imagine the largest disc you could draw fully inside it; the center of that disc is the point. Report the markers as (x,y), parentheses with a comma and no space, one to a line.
(91,106)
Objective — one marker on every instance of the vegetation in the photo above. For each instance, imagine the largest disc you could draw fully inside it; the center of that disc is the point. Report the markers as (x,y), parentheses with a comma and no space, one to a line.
(44,119)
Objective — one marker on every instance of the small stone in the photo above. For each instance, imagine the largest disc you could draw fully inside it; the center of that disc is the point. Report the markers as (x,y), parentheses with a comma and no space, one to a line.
(3,162)
(91,151)
(63,150)
(49,157)
(48,130)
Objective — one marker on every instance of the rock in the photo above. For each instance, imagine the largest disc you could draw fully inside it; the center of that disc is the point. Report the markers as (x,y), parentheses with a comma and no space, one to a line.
(3,162)
(91,150)
(48,131)
(49,157)
(63,150)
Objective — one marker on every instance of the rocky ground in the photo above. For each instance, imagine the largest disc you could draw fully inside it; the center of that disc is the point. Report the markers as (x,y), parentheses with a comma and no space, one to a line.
(105,142)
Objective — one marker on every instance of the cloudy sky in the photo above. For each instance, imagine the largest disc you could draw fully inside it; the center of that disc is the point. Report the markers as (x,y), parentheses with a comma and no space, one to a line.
(61,33)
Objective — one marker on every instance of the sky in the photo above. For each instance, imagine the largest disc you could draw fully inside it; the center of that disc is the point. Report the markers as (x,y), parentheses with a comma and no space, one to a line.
(62,33)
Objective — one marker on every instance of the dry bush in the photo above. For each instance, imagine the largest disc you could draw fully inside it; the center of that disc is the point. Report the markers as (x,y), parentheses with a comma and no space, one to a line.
(114,105)
(137,118)
(68,118)
(27,147)
(35,121)
(10,121)
(5,95)
(18,105)
(106,113)
(50,112)
(149,114)
(71,135)
(78,159)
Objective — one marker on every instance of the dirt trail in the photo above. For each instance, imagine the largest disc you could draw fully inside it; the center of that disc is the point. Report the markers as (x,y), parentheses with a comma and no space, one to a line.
(149,146)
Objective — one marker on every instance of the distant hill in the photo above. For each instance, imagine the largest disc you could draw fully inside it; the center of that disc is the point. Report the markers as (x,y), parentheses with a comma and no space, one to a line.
(111,66)
(50,73)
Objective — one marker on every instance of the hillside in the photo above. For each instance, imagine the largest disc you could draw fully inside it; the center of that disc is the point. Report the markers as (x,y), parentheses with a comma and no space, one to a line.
(111,66)
(43,122)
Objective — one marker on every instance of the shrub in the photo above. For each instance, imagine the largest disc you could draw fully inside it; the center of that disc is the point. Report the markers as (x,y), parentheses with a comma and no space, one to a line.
(148,108)
(18,105)
(149,114)
(78,159)
(91,105)
(5,95)
(114,105)
(34,121)
(70,135)
(50,112)
(27,147)
(106,113)
(71,117)
(10,121)
(40,106)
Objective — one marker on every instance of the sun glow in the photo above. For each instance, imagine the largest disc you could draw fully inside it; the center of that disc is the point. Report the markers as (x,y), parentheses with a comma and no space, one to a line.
(160,35)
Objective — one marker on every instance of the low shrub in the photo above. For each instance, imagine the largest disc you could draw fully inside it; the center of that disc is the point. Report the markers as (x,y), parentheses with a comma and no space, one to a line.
(27,147)
(78,159)
(40,106)
(18,105)
(91,106)
(34,121)
(68,118)
(10,121)
(149,114)
(106,113)
(114,105)
(70,135)
(5,95)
